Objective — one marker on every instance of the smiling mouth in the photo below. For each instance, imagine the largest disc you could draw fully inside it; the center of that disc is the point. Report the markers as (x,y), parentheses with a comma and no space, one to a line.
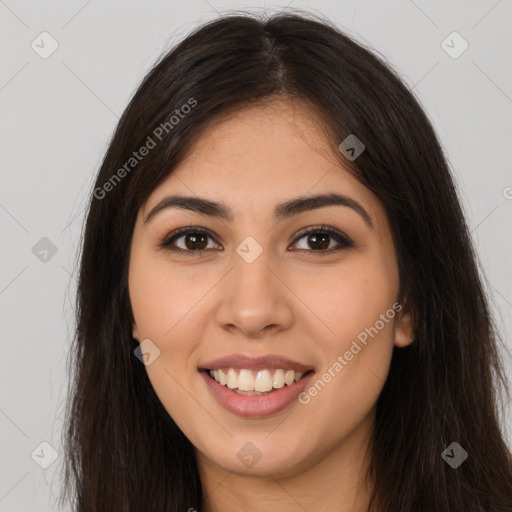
(245,381)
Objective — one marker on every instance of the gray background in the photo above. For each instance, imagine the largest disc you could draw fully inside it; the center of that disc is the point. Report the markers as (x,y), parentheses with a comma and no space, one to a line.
(57,115)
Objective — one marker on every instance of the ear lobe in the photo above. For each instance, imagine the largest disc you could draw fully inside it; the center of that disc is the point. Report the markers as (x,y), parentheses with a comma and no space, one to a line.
(135,331)
(404,329)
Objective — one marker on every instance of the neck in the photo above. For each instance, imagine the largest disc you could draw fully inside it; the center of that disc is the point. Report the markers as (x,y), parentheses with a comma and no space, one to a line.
(326,482)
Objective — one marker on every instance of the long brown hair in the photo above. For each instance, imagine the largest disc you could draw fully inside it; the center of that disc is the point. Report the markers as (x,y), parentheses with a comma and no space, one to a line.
(123,450)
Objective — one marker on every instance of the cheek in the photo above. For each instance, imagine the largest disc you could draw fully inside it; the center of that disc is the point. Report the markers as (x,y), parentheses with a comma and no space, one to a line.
(356,354)
(358,343)
(162,296)
(354,301)
(165,310)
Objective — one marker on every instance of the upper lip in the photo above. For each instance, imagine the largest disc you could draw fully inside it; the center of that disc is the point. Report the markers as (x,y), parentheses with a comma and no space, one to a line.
(272,362)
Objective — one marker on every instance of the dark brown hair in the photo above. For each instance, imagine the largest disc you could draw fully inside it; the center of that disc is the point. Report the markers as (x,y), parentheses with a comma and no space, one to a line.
(123,450)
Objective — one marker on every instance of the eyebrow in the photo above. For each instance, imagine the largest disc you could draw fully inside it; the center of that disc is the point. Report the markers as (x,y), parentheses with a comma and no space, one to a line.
(282,211)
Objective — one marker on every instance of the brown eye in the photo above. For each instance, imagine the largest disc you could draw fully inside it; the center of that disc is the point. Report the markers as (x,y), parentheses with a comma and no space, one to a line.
(319,239)
(195,241)
(188,240)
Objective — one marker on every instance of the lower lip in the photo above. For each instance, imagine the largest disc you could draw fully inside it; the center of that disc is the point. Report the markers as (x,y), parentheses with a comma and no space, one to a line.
(254,406)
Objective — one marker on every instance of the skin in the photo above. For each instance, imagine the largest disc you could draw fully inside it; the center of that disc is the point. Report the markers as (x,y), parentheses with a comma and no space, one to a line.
(307,306)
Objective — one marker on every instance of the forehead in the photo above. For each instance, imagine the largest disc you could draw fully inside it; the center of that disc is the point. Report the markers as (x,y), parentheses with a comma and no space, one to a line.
(276,132)
(260,155)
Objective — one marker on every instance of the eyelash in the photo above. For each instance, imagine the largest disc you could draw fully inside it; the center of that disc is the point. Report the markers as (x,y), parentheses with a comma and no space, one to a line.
(344,241)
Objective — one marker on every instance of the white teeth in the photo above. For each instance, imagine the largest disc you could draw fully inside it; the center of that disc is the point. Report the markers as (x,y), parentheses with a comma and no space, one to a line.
(278,379)
(247,381)
(232,380)
(289,377)
(263,381)
(250,393)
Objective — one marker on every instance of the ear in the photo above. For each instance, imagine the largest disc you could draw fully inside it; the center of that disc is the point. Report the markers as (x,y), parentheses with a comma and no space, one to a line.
(404,327)
(135,331)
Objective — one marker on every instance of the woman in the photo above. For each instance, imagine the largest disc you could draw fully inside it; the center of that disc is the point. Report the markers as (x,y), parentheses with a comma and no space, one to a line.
(279,302)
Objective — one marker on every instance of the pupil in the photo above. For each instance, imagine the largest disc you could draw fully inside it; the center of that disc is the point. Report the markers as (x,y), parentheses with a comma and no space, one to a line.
(320,245)
(193,238)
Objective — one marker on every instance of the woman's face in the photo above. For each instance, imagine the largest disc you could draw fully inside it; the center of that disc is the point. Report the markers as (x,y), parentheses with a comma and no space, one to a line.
(253,285)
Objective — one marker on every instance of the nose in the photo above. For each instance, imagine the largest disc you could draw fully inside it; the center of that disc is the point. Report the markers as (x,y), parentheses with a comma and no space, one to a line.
(254,300)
